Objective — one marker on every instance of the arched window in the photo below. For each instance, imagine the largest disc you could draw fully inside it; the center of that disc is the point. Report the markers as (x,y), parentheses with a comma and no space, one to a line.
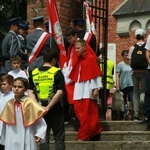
(135,24)
(147,25)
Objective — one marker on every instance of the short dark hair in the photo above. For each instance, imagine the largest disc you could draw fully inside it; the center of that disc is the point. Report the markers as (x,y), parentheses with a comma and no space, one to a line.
(124,51)
(70,31)
(14,58)
(49,54)
(8,78)
(24,81)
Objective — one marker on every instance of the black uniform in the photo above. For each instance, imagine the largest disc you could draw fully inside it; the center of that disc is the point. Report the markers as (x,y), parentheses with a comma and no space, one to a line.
(55,117)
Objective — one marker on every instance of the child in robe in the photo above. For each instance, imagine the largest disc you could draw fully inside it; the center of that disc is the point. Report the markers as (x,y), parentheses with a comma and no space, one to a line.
(23,126)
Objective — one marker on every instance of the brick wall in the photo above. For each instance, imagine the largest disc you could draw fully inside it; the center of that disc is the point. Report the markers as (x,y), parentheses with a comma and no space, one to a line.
(121,43)
(64,10)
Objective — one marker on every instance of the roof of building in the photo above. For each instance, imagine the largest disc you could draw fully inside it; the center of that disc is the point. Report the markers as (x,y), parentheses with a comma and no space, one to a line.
(133,7)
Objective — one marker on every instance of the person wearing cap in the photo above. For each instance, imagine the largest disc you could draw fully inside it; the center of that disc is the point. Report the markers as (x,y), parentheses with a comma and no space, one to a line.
(79,25)
(24,26)
(34,38)
(23,32)
(11,45)
(138,77)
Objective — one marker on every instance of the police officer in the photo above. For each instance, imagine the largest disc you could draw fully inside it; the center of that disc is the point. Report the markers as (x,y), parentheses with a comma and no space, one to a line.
(23,32)
(24,26)
(11,44)
(33,38)
(79,25)
(48,82)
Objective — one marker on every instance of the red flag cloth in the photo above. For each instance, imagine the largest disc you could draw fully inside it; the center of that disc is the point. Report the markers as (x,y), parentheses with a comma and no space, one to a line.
(56,30)
(70,89)
(89,19)
(89,67)
(72,54)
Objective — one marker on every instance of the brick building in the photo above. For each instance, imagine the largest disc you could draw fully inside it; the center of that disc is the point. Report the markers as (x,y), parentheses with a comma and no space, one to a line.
(122,22)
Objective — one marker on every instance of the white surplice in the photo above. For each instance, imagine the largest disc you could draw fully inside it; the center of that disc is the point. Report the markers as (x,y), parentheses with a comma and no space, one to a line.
(4,98)
(84,89)
(18,137)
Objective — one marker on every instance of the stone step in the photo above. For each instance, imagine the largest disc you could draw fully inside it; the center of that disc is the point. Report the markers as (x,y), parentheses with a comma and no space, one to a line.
(118,126)
(105,145)
(116,135)
(113,136)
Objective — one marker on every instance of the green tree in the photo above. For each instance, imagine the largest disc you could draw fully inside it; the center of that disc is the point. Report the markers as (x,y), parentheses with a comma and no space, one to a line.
(8,10)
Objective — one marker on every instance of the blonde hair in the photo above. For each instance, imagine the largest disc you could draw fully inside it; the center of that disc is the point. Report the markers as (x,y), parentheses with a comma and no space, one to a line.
(81,41)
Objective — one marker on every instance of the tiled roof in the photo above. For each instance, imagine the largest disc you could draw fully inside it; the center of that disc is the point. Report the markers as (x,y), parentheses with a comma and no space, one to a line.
(133,7)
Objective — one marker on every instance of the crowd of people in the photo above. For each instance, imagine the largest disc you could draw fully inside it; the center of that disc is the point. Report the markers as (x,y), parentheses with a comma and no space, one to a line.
(34,90)
(39,95)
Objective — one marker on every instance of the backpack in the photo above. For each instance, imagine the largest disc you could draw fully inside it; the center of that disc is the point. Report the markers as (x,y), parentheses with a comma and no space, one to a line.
(138,59)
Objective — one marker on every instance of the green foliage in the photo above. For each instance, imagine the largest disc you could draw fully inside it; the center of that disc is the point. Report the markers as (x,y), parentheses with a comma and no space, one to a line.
(6,11)
(10,9)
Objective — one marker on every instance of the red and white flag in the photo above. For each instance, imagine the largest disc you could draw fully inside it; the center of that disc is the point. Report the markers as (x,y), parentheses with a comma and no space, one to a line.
(55,30)
(90,27)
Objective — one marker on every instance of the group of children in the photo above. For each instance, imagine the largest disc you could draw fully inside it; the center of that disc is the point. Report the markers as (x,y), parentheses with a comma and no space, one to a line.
(21,122)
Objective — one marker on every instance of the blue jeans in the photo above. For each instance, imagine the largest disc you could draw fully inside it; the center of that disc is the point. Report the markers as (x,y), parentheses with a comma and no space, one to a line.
(139,88)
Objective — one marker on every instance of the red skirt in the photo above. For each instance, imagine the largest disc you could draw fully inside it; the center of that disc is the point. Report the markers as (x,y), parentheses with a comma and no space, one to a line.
(87,112)
(70,91)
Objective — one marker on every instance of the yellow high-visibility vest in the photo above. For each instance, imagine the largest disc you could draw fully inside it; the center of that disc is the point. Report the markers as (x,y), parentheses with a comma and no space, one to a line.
(44,81)
(110,67)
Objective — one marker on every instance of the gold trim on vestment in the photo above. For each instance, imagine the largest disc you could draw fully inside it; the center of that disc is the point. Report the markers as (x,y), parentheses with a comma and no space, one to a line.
(31,111)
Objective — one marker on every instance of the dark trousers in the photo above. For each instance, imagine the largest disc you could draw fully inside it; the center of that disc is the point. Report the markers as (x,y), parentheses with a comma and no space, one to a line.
(2,147)
(127,92)
(103,106)
(147,96)
(56,123)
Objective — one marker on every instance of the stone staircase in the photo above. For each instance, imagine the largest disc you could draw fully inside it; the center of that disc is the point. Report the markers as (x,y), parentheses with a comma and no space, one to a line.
(116,135)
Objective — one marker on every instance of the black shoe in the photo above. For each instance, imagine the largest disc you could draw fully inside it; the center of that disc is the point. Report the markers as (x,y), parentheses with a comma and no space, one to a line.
(96,137)
(136,118)
(145,120)
(72,122)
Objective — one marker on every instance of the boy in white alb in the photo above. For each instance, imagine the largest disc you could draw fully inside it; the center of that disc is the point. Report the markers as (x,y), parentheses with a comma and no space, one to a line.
(16,65)
(6,95)
(23,126)
(6,90)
